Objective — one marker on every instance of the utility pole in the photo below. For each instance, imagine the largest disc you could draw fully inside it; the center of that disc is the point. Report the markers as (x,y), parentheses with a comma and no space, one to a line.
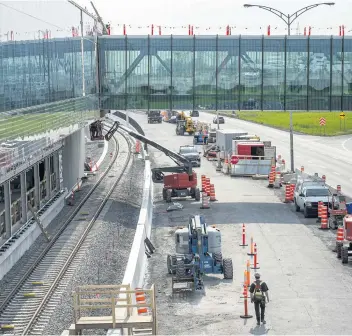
(291,144)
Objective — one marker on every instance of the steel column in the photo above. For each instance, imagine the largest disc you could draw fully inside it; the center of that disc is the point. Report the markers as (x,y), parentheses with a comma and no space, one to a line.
(171,70)
(239,73)
(342,72)
(308,69)
(194,72)
(285,73)
(331,71)
(57,170)
(149,71)
(24,206)
(47,178)
(8,217)
(37,197)
(216,73)
(262,79)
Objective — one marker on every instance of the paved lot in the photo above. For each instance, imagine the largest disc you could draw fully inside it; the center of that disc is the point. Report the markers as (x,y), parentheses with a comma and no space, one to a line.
(309,288)
(328,156)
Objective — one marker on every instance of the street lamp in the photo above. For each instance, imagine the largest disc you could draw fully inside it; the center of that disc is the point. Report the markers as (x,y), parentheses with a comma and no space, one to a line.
(287,18)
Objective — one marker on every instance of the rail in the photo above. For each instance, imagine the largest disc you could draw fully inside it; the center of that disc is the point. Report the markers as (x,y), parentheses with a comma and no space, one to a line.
(27,322)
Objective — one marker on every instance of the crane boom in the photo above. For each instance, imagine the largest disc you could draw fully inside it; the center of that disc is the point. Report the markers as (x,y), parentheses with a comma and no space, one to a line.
(185,166)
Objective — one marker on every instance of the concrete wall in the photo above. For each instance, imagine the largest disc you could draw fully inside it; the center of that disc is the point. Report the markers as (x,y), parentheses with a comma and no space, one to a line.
(135,270)
(9,258)
(73,155)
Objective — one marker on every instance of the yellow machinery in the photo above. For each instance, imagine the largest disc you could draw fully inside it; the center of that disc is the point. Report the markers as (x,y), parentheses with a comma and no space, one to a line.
(185,124)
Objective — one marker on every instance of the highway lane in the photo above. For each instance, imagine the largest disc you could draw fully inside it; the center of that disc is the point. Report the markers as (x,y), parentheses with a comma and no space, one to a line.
(325,156)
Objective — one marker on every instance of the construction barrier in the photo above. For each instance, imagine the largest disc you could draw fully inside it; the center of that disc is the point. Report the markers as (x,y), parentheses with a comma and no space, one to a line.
(243,236)
(251,253)
(212,193)
(255,262)
(245,297)
(272,177)
(320,211)
(225,167)
(207,186)
(140,299)
(277,181)
(205,201)
(203,177)
(324,218)
(288,194)
(248,273)
(138,147)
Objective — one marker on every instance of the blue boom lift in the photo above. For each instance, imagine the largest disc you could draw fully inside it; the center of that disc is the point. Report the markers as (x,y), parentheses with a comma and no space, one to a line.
(198,249)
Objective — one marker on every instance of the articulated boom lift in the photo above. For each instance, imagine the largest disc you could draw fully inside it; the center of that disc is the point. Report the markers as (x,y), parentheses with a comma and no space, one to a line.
(183,180)
(198,252)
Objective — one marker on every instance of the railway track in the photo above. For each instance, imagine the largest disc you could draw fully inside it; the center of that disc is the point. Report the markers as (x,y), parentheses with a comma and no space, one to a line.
(28,307)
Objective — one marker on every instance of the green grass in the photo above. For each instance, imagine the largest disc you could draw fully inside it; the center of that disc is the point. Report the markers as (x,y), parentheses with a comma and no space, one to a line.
(303,122)
(35,123)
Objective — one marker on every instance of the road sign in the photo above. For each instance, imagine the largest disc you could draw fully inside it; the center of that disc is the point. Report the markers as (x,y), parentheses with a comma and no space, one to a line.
(342,115)
(322,121)
(234,160)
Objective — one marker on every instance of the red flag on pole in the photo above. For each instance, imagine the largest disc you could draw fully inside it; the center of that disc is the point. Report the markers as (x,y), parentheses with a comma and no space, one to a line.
(124,29)
(189,29)
(152,29)
(192,30)
(343,30)
(305,31)
(310,30)
(340,31)
(269,30)
(159,30)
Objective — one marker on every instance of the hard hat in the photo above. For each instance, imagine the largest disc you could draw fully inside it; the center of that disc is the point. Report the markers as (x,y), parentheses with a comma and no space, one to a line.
(257,275)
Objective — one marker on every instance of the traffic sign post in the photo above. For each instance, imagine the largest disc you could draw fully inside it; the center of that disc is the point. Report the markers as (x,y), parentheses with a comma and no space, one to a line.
(343,118)
(322,122)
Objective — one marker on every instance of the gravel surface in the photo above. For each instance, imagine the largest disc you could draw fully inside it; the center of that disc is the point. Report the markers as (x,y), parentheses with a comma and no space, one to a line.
(27,259)
(109,246)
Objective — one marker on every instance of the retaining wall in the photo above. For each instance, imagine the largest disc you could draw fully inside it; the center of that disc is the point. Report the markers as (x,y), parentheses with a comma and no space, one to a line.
(9,258)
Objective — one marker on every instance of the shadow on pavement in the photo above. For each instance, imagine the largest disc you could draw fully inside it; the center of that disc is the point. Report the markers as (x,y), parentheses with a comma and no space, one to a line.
(224,213)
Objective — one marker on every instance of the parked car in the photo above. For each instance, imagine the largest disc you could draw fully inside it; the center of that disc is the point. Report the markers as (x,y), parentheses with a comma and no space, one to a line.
(221,120)
(191,153)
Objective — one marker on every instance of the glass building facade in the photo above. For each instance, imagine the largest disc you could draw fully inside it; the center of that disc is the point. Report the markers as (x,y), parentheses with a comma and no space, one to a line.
(226,72)
(46,77)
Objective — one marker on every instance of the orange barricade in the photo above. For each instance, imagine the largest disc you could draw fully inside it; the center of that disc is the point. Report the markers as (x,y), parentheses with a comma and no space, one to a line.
(288,198)
(324,218)
(212,193)
(207,186)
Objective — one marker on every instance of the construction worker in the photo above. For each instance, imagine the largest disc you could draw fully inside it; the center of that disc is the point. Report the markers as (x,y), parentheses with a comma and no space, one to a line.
(258,292)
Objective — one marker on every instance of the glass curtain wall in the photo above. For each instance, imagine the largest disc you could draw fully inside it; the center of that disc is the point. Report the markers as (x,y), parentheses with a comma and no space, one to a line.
(226,72)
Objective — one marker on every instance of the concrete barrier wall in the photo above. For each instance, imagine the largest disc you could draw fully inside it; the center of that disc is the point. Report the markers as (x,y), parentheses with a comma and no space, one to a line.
(9,258)
(135,270)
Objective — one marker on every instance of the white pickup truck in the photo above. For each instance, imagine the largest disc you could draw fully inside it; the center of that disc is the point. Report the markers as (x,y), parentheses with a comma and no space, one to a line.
(307,196)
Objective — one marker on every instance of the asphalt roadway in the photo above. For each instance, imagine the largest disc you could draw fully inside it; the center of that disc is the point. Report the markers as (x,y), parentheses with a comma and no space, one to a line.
(310,289)
(329,156)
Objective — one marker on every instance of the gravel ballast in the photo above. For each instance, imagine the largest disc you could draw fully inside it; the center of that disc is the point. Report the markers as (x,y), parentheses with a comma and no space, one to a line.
(28,258)
(109,246)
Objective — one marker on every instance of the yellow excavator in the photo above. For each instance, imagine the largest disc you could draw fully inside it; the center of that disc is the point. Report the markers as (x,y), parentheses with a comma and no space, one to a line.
(184,124)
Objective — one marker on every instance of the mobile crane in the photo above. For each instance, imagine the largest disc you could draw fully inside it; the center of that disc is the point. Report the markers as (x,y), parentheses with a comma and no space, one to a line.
(182,182)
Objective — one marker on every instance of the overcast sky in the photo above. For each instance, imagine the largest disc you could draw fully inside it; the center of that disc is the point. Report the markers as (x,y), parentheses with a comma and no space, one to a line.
(209,17)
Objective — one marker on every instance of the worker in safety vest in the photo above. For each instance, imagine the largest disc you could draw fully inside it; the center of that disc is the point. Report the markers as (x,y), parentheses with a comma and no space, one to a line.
(258,291)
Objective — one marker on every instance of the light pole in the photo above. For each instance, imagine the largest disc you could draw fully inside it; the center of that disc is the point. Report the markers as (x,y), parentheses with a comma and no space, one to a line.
(289,18)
